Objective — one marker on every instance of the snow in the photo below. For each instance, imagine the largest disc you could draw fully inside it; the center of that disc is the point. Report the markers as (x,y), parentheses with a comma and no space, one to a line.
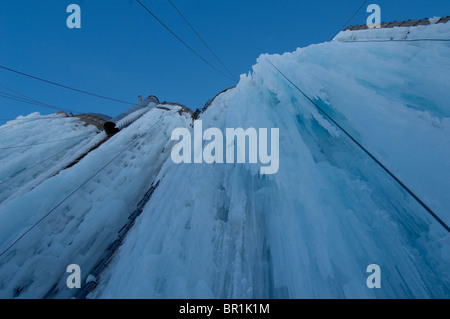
(225,230)
(433,31)
(434,20)
(90,278)
(311,230)
(79,230)
(50,143)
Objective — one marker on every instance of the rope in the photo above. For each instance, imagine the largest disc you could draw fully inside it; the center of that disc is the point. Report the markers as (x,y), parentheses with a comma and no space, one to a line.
(434,215)
(78,188)
(29,168)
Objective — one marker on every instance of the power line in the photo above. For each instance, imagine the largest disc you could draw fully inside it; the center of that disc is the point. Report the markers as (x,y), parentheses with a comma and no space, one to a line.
(22,95)
(65,86)
(30,100)
(343,26)
(78,188)
(434,215)
(19,99)
(201,39)
(184,43)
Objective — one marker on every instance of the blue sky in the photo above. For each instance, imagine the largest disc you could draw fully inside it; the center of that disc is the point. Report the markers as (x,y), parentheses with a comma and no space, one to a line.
(122,52)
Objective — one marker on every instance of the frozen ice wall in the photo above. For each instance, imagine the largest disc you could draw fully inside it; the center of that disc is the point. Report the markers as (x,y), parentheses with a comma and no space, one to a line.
(35,147)
(101,191)
(311,230)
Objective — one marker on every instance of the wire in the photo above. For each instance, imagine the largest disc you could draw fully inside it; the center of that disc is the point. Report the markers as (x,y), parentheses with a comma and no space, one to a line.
(343,26)
(184,43)
(34,101)
(29,168)
(434,215)
(78,188)
(65,86)
(22,95)
(19,99)
(26,99)
(201,39)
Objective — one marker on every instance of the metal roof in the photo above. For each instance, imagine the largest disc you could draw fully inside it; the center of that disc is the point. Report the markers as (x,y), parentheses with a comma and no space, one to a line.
(408,23)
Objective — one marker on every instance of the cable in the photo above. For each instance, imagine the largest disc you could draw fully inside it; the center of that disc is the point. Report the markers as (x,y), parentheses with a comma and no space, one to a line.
(26,99)
(184,43)
(434,215)
(22,95)
(54,141)
(19,99)
(201,39)
(78,188)
(34,101)
(29,168)
(65,86)
(349,19)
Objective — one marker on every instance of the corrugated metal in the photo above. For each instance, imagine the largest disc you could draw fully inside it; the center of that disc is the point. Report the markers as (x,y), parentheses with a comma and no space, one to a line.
(124,119)
(408,23)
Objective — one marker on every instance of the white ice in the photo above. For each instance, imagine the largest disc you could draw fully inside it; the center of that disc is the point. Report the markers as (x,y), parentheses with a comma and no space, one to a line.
(224,230)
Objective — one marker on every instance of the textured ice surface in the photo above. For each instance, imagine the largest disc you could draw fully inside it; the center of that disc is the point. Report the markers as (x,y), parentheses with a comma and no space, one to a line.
(80,229)
(223,230)
(312,229)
